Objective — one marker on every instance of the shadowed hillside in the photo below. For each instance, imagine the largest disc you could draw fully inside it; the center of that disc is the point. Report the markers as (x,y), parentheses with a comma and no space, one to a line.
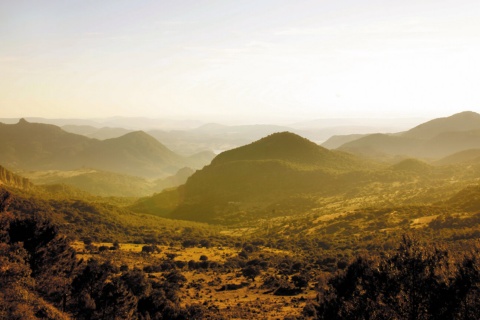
(33,146)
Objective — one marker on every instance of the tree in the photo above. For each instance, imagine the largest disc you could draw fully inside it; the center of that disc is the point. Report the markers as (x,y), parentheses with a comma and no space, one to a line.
(300,281)
(116,245)
(116,301)
(251,272)
(412,283)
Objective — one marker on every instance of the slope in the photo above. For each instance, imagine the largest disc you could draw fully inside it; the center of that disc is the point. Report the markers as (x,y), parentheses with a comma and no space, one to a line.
(274,170)
(463,121)
(34,146)
(431,140)
(466,156)
(9,179)
(96,133)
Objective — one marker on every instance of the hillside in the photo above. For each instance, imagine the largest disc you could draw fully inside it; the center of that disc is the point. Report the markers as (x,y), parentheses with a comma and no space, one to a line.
(466,156)
(431,140)
(272,171)
(382,144)
(135,153)
(336,141)
(96,133)
(107,184)
(463,121)
(34,146)
(290,148)
(9,179)
(412,165)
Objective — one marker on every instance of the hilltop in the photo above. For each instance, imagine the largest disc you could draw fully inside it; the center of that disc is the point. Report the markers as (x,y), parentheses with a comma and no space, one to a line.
(275,171)
(283,146)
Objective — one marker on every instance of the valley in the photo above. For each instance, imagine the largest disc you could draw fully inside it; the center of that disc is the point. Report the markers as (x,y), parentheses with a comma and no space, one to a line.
(272,229)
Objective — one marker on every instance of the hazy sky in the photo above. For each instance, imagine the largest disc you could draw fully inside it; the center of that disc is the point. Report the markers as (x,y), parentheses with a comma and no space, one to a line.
(262,59)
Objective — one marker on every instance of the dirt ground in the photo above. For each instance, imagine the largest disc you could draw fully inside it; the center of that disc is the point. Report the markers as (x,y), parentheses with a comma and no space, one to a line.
(244,299)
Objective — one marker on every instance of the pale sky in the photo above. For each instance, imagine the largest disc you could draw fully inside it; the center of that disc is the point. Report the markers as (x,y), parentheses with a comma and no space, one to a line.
(260,59)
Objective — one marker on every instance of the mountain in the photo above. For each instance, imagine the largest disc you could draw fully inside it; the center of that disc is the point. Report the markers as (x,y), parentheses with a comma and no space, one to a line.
(412,165)
(177,179)
(38,146)
(431,140)
(336,141)
(269,174)
(213,136)
(130,123)
(465,157)
(463,121)
(135,153)
(382,145)
(96,133)
(34,146)
(290,148)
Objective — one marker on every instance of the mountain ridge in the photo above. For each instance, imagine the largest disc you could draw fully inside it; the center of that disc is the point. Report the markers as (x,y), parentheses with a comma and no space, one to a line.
(34,146)
(431,140)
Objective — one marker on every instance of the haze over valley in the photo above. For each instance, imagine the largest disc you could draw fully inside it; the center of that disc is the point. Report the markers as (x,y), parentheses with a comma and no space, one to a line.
(239,160)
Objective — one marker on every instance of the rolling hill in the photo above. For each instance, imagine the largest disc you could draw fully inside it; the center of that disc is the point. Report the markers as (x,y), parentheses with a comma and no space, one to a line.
(431,140)
(256,178)
(107,184)
(96,133)
(462,157)
(463,121)
(34,146)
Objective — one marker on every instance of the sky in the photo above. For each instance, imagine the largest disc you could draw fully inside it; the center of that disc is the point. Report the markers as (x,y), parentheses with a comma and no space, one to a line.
(253,61)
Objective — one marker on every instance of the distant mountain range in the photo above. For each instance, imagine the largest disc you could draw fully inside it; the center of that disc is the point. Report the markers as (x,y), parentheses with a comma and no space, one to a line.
(271,174)
(190,137)
(431,140)
(34,146)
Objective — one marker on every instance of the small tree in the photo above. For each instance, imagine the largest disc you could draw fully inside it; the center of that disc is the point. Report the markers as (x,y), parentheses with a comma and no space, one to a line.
(300,281)
(251,272)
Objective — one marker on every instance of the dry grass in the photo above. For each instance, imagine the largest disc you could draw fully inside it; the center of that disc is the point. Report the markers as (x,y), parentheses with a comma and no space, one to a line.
(250,301)
(205,286)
